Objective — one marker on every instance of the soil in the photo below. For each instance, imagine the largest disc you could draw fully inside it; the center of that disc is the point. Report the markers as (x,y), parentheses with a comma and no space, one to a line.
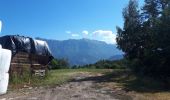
(82,87)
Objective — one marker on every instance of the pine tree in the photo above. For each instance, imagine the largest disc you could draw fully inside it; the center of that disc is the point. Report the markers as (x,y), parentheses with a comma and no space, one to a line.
(163,39)
(126,37)
(145,37)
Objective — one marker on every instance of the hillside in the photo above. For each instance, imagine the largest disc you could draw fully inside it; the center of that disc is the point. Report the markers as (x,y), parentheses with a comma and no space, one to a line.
(82,51)
(116,57)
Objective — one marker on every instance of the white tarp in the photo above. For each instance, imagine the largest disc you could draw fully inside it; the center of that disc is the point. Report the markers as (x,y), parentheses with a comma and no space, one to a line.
(5,60)
(4,78)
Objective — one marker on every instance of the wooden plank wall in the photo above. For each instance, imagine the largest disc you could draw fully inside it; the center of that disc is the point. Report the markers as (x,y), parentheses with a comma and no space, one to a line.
(22,62)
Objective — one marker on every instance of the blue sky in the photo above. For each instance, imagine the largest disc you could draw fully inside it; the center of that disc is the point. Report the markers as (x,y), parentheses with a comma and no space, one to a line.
(63,19)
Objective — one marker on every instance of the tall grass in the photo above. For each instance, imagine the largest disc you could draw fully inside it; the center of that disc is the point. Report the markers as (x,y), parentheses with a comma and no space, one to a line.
(53,77)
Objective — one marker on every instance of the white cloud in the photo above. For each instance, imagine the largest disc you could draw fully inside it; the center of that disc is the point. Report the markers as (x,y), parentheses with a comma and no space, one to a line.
(101,35)
(0,25)
(75,35)
(68,32)
(105,35)
(85,32)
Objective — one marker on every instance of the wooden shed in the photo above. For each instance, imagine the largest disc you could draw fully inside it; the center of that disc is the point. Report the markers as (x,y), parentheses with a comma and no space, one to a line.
(27,53)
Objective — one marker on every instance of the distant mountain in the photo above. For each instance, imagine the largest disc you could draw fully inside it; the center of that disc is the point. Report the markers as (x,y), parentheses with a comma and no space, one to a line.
(116,57)
(82,51)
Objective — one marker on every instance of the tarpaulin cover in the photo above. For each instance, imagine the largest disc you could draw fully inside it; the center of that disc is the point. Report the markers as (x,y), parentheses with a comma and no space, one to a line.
(17,43)
(5,59)
(4,79)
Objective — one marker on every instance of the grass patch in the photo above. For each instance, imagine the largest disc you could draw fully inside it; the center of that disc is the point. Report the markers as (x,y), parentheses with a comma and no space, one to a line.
(139,88)
(131,82)
(54,77)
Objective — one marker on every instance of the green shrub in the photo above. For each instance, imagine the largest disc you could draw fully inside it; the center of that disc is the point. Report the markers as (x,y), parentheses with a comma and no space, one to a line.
(59,64)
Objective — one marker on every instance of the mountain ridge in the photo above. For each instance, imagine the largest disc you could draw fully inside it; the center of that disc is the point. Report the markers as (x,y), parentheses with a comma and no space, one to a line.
(81,51)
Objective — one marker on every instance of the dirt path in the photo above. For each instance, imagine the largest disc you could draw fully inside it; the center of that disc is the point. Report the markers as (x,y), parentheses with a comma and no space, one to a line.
(82,87)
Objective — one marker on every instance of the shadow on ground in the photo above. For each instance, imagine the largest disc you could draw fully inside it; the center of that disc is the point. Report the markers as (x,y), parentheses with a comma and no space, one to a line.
(129,81)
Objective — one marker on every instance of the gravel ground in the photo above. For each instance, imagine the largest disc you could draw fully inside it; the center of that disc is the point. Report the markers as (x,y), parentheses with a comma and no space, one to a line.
(82,87)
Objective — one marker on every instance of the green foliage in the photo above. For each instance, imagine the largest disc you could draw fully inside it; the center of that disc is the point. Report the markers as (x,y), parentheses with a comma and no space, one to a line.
(127,39)
(16,78)
(59,64)
(106,64)
(145,37)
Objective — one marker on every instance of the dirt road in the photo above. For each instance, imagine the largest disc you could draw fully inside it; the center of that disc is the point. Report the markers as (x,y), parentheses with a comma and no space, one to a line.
(84,86)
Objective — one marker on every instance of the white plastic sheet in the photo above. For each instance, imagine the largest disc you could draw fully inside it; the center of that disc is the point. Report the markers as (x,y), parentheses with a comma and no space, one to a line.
(5,60)
(4,78)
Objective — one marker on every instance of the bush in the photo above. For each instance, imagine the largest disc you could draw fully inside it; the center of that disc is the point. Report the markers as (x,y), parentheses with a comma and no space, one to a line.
(106,64)
(59,64)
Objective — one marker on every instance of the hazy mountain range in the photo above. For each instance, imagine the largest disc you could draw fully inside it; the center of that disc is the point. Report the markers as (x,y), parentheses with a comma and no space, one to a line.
(116,57)
(82,51)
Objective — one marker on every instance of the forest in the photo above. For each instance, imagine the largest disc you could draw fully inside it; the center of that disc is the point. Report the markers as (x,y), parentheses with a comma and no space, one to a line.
(145,37)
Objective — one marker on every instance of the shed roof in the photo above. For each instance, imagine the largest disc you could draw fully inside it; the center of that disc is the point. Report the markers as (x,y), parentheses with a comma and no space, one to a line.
(17,43)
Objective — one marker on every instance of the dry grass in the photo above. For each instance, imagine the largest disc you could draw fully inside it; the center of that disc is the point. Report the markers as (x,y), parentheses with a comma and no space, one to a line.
(139,88)
(54,77)
(151,96)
